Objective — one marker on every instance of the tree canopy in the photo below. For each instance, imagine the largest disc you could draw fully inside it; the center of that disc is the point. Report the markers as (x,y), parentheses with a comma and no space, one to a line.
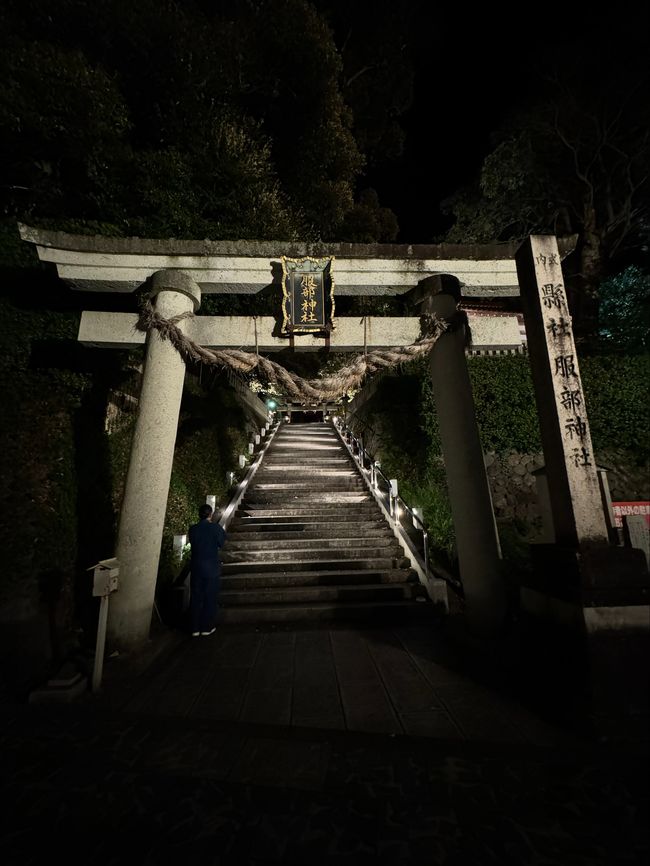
(234,119)
(575,162)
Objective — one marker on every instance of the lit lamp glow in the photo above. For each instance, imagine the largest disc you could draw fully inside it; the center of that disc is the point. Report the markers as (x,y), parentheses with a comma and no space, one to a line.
(392,498)
(179,543)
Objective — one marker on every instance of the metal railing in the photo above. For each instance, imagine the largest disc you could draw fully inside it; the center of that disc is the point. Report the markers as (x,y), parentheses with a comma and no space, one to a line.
(407,521)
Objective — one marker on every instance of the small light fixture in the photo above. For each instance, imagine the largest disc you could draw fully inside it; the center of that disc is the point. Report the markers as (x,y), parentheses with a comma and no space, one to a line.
(179,545)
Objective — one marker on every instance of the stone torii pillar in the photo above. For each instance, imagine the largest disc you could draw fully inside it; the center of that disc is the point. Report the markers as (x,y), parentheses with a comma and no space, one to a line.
(479,556)
(152,453)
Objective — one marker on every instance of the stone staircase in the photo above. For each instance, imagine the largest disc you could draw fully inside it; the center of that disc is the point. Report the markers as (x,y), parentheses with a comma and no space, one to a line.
(309,542)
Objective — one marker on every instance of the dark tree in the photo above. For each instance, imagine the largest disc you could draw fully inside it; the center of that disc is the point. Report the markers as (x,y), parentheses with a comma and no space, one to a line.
(576,163)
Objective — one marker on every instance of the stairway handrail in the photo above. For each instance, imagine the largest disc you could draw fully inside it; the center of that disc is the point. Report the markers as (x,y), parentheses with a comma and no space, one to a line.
(394,502)
(229,510)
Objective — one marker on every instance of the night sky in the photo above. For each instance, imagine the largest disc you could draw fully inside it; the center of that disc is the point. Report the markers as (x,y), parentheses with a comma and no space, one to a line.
(474,66)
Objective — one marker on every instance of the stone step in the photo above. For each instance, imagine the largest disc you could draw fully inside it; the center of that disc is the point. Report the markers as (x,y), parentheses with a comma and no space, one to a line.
(311,444)
(304,499)
(262,535)
(333,458)
(333,452)
(380,563)
(318,543)
(307,467)
(351,511)
(307,471)
(310,543)
(317,578)
(391,612)
(260,529)
(307,479)
(310,450)
(292,492)
(317,549)
(275,521)
(302,436)
(309,594)
(315,486)
(275,553)
(319,428)
(272,474)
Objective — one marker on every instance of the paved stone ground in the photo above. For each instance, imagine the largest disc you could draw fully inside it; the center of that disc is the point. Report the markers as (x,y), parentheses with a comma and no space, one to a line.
(317,746)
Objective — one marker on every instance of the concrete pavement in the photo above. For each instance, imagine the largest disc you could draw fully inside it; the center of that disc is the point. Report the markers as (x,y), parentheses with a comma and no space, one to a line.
(317,746)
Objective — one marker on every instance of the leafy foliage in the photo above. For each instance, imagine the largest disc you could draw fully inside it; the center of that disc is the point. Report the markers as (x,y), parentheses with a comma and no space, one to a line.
(184,119)
(37,460)
(399,426)
(367,221)
(617,392)
(575,163)
(63,125)
(625,311)
(505,403)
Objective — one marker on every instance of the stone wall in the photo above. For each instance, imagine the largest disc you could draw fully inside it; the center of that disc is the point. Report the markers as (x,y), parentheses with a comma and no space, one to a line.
(514,493)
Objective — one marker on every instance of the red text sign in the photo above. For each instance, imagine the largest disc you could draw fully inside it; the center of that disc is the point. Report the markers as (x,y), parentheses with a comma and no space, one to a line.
(621,509)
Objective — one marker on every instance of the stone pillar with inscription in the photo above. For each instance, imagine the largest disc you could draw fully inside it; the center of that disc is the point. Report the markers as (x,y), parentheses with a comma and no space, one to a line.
(574,578)
(570,465)
(147,483)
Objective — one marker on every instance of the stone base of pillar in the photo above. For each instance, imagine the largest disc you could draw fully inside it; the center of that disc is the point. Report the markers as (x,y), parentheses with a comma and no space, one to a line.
(585,618)
(592,590)
(591,619)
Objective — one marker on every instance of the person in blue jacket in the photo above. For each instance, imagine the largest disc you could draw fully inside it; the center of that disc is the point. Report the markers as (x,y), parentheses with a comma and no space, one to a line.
(205,539)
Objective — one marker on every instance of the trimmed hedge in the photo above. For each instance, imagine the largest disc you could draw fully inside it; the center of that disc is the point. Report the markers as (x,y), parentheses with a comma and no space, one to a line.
(617,394)
(400,426)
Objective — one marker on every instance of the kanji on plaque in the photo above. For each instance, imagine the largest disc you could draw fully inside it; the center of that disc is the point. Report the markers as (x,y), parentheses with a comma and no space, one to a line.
(307,295)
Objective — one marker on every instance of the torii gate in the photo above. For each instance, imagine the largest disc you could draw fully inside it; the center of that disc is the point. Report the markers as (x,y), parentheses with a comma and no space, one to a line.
(179,272)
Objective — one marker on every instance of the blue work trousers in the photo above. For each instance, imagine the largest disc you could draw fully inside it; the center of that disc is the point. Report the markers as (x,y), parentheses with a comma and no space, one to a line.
(204,594)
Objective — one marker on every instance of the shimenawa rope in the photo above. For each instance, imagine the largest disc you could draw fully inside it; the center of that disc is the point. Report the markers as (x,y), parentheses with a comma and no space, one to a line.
(297,389)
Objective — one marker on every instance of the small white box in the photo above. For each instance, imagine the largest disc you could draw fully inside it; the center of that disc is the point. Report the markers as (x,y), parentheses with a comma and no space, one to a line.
(106,576)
